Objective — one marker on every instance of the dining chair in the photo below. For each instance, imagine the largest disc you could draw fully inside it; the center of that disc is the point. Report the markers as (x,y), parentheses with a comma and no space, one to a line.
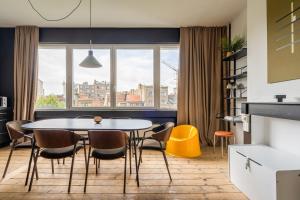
(130,142)
(56,144)
(160,135)
(16,133)
(107,145)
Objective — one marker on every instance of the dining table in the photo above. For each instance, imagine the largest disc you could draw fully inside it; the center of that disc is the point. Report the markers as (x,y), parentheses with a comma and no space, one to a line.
(76,124)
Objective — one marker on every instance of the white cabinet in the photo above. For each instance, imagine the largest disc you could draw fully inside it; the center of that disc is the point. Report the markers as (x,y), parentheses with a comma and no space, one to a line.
(264,173)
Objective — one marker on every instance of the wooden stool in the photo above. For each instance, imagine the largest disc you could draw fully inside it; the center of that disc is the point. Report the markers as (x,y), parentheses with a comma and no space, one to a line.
(223,134)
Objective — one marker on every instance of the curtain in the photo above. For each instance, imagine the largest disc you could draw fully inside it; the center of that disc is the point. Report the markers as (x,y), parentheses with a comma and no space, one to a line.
(25,71)
(200,87)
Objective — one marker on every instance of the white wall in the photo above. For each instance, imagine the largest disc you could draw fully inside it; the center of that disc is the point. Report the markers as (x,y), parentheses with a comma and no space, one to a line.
(278,133)
(239,28)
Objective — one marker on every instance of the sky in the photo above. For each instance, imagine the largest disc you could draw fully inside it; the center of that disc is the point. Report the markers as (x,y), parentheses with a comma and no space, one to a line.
(133,67)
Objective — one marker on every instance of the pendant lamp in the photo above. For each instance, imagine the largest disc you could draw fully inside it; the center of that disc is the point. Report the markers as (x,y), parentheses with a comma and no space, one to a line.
(90,61)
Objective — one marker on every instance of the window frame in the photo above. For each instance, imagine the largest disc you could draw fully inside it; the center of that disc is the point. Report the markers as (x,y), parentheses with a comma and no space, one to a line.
(113,73)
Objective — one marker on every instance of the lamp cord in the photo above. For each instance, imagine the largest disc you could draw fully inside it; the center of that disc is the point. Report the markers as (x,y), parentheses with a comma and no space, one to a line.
(59,19)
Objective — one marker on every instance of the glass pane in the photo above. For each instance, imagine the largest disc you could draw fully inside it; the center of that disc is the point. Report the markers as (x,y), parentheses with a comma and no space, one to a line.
(169,62)
(91,86)
(51,92)
(134,78)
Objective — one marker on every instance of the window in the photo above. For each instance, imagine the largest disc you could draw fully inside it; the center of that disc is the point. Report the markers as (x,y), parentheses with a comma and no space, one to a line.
(132,76)
(169,62)
(51,92)
(91,86)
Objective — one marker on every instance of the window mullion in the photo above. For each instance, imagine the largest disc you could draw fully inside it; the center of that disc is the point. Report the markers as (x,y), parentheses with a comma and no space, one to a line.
(69,77)
(156,77)
(113,77)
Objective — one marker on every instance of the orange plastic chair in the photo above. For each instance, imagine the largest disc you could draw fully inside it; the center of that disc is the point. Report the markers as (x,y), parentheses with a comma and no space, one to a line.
(184,142)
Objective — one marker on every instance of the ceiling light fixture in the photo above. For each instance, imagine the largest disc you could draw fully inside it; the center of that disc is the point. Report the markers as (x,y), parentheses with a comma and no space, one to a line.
(90,61)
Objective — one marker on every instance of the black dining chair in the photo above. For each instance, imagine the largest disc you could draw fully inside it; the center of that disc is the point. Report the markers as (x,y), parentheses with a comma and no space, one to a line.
(160,135)
(84,137)
(16,134)
(130,143)
(107,145)
(56,144)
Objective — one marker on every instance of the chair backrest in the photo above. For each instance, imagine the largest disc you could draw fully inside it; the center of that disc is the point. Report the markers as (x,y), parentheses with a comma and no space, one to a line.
(107,139)
(184,131)
(55,138)
(163,132)
(14,129)
(85,117)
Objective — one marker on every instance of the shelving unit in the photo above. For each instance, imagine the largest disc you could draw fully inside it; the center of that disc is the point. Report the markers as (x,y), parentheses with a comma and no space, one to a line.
(5,116)
(235,74)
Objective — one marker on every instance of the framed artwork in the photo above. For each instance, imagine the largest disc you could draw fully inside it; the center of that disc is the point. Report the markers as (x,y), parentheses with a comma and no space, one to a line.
(283,17)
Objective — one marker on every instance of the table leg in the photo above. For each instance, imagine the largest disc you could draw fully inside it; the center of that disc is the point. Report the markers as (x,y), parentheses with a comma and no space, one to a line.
(130,148)
(136,162)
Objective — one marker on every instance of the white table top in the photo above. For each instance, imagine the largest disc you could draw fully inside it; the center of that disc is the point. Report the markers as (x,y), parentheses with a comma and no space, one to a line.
(89,124)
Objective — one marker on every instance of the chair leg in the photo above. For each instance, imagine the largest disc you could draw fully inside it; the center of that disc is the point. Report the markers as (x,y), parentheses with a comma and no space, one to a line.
(222,146)
(84,149)
(166,161)
(52,166)
(130,138)
(99,164)
(141,152)
(87,169)
(63,161)
(214,143)
(34,168)
(124,184)
(9,157)
(58,161)
(71,171)
(136,162)
(29,165)
(96,166)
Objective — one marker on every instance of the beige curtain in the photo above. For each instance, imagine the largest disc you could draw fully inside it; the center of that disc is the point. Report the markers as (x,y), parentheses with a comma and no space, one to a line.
(200,87)
(25,71)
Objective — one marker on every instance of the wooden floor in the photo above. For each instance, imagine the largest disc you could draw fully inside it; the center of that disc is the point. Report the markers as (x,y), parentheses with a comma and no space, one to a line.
(203,178)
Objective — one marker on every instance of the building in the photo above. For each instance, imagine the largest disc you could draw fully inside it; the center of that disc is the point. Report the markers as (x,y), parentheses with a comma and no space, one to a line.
(91,95)
(40,88)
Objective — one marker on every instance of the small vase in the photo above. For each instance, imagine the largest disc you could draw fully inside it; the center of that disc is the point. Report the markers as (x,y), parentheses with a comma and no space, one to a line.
(228,53)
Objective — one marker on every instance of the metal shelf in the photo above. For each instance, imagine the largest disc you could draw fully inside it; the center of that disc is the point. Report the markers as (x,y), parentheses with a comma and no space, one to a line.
(236,55)
(236,77)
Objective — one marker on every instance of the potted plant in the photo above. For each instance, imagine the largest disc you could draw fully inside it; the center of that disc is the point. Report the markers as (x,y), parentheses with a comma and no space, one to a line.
(226,46)
(237,43)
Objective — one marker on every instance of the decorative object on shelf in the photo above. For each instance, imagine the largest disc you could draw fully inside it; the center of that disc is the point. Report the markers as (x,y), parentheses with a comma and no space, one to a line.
(240,86)
(231,87)
(283,40)
(97,119)
(280,97)
(90,61)
(226,46)
(238,43)
(231,47)
(233,118)
(3,102)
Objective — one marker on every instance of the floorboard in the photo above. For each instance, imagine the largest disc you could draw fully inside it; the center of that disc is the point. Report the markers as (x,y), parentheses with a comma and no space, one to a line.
(202,178)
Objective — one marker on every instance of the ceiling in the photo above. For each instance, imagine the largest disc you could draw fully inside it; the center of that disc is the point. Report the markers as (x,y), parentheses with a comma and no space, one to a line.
(121,13)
